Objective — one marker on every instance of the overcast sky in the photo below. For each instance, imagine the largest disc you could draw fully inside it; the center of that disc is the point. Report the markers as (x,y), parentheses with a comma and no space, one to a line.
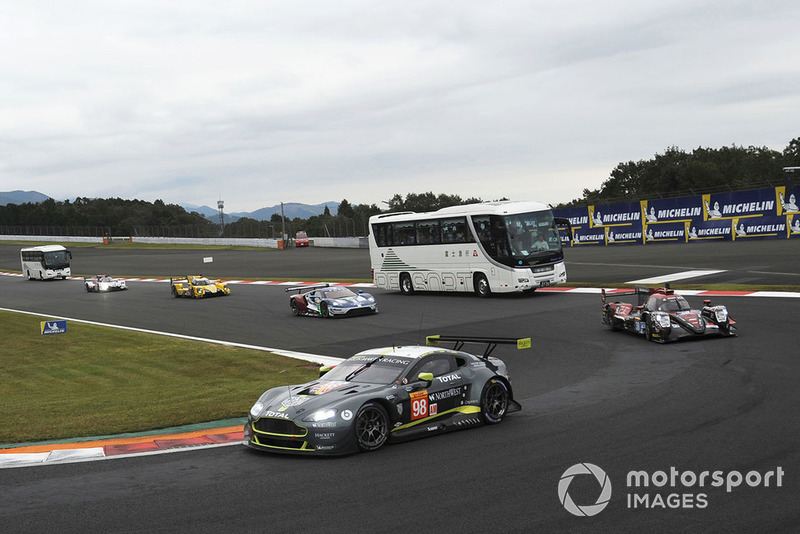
(259,102)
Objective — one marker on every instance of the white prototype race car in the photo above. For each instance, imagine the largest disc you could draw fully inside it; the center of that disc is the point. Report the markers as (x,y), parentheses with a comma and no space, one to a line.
(103,282)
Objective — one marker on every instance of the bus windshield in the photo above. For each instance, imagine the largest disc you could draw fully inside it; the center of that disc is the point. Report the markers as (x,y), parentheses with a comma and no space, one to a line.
(57,259)
(519,239)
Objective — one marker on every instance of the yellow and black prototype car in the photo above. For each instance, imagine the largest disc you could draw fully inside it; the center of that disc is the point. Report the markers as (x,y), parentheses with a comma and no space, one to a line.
(198,286)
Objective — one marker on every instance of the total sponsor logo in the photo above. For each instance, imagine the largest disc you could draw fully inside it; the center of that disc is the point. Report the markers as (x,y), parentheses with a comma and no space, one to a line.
(664,489)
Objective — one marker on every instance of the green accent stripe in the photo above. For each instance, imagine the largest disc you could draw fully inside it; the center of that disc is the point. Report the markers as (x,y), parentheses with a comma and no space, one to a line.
(460,409)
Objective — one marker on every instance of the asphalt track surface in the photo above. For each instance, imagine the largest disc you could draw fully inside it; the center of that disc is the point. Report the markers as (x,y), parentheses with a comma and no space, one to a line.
(589,396)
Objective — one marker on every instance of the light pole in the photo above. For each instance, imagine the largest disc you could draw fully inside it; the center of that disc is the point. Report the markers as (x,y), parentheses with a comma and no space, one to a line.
(220,205)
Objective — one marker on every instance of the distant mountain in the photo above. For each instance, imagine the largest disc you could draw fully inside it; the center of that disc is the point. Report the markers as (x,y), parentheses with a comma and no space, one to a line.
(21,197)
(290,211)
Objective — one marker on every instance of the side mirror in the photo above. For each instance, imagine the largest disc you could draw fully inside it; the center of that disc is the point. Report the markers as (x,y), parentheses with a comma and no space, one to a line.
(360,291)
(324,369)
(425,377)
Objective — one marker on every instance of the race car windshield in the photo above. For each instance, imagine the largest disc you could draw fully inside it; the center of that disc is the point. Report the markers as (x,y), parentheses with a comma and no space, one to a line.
(358,369)
(675,304)
(338,293)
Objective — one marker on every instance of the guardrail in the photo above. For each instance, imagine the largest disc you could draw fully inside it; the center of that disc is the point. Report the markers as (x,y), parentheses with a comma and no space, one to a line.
(323,242)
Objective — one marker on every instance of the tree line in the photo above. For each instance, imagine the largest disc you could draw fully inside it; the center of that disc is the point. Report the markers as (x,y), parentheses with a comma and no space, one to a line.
(674,173)
(118,217)
(677,173)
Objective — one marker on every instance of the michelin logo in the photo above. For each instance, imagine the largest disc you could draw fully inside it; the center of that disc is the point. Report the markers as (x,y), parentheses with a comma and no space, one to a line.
(54,327)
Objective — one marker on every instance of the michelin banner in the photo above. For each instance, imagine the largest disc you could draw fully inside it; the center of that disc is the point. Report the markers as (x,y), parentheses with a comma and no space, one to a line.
(768,213)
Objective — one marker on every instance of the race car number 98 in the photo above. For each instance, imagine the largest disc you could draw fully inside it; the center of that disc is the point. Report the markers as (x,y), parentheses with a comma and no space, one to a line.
(419,405)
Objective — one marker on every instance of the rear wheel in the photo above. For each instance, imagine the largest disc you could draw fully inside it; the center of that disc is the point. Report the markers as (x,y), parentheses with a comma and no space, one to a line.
(175,292)
(482,286)
(295,308)
(609,319)
(494,401)
(372,427)
(406,287)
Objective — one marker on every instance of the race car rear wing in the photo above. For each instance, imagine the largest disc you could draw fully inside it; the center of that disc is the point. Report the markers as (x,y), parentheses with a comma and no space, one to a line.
(307,288)
(641,292)
(491,342)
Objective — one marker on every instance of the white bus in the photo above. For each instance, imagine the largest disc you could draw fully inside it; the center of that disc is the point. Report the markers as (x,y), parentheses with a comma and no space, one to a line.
(45,261)
(492,247)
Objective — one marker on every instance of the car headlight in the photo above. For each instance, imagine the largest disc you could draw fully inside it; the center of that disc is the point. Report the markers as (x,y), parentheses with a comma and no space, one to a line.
(321,415)
(255,411)
(662,319)
(721,313)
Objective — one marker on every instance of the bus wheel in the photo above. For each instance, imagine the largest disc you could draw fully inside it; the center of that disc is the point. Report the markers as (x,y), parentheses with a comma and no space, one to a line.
(482,286)
(406,287)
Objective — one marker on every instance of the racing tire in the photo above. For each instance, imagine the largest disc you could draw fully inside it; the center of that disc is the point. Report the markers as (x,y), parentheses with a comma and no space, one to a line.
(482,286)
(324,311)
(609,319)
(494,401)
(728,330)
(371,427)
(406,286)
(648,330)
(295,308)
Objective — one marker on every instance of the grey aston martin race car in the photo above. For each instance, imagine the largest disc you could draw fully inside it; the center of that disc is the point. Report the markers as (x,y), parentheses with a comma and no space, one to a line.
(385,395)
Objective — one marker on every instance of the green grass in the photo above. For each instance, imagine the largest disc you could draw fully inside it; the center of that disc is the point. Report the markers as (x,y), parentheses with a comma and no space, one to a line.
(97,380)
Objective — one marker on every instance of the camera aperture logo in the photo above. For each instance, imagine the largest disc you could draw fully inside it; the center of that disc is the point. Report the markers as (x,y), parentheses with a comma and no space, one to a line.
(664,489)
(590,509)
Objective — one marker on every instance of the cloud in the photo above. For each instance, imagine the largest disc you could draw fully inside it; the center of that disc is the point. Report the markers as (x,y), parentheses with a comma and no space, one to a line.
(264,102)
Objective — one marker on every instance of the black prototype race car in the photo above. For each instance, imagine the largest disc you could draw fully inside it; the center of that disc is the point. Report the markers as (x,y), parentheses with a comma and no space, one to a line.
(324,300)
(661,316)
(385,395)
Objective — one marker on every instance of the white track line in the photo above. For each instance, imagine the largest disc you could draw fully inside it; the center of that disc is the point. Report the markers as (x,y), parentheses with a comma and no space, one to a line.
(675,276)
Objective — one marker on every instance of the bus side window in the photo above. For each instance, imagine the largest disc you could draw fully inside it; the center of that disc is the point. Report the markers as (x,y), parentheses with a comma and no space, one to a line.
(455,231)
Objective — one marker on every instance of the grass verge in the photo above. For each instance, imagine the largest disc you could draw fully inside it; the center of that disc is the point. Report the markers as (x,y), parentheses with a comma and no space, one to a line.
(95,380)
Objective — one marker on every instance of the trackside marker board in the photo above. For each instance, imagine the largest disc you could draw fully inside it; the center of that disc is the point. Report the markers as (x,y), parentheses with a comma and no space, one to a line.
(54,327)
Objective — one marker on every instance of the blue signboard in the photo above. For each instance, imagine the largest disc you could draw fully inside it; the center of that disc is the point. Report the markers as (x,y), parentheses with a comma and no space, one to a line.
(665,232)
(759,228)
(54,327)
(720,230)
(738,204)
(793,226)
(767,213)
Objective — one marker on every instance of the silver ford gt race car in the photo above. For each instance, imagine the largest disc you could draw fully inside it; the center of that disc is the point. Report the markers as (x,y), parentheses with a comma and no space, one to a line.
(385,395)
(324,300)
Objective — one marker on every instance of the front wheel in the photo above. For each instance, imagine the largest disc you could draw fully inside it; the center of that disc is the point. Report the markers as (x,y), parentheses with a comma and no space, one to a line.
(494,401)
(323,310)
(648,330)
(372,427)
(482,286)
